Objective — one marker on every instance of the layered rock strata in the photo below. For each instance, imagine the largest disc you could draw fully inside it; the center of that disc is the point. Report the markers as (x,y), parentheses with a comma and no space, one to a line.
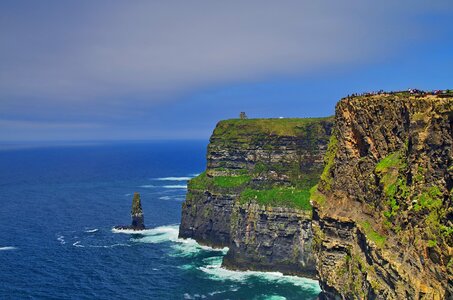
(254,194)
(383,212)
(271,239)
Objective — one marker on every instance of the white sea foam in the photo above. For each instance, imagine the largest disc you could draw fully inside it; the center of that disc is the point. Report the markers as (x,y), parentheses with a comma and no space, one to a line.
(212,265)
(109,246)
(172,198)
(170,186)
(194,296)
(175,186)
(130,231)
(173,178)
(7,248)
(216,272)
(162,234)
(190,247)
(60,238)
(77,244)
(91,230)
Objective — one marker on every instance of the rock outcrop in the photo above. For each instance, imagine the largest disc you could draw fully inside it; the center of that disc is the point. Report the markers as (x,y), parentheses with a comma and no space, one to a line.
(254,195)
(383,216)
(271,239)
(138,221)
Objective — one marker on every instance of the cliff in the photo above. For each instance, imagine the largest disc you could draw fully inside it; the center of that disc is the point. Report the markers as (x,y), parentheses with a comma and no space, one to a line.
(254,195)
(383,212)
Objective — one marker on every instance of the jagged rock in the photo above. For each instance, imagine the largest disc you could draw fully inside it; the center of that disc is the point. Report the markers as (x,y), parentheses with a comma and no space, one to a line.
(383,213)
(138,222)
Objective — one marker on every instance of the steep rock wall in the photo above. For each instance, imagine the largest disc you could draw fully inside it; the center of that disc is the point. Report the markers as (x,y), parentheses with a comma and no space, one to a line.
(271,239)
(383,208)
(252,155)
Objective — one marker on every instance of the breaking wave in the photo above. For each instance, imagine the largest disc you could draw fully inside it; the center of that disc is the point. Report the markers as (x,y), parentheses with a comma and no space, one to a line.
(147,186)
(91,230)
(176,186)
(7,248)
(169,233)
(60,238)
(212,266)
(216,272)
(171,186)
(173,178)
(77,244)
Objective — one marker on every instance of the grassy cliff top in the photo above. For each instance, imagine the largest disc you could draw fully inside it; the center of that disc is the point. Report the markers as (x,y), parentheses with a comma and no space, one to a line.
(236,128)
(432,95)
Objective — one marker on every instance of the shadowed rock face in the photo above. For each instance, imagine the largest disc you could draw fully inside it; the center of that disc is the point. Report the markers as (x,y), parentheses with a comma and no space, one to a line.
(383,219)
(138,222)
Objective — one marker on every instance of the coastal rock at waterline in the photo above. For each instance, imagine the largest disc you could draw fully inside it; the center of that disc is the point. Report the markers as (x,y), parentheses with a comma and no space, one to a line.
(271,239)
(138,222)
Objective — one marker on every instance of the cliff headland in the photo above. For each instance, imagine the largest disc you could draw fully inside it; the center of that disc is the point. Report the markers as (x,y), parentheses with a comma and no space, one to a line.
(362,200)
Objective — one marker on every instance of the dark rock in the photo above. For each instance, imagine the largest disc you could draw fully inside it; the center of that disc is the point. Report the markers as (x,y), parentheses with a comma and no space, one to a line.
(138,222)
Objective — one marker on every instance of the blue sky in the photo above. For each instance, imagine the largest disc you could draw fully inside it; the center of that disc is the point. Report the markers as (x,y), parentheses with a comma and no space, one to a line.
(138,70)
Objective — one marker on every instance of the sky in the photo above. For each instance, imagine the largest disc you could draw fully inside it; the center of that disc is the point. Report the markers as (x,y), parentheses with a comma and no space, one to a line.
(142,70)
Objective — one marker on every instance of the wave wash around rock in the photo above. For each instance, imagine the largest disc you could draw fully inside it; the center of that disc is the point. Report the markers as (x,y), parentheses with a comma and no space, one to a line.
(138,220)
(254,196)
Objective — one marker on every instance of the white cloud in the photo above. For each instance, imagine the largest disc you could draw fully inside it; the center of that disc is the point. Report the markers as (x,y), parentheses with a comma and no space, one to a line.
(92,50)
(71,66)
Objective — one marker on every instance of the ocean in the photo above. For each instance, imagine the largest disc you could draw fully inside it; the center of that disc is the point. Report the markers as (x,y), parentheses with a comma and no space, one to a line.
(59,203)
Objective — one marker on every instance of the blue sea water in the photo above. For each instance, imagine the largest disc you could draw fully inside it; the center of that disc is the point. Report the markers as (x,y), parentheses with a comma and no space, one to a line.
(58,206)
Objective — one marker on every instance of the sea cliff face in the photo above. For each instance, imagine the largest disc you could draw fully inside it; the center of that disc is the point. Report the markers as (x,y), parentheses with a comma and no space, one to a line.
(383,212)
(271,239)
(381,224)
(254,195)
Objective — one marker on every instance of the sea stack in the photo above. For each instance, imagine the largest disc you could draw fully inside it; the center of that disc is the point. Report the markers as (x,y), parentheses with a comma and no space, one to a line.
(138,222)
(136,214)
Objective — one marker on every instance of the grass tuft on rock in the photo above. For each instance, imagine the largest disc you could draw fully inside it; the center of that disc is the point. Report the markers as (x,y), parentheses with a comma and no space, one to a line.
(204,182)
(278,197)
(373,235)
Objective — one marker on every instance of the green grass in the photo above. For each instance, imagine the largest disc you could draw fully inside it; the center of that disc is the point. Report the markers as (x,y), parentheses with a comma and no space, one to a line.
(278,196)
(199,183)
(329,160)
(231,181)
(237,128)
(316,196)
(372,234)
(393,160)
(431,199)
(394,186)
(204,182)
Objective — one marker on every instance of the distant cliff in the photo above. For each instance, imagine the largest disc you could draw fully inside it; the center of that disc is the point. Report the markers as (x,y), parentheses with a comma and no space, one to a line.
(254,195)
(383,217)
